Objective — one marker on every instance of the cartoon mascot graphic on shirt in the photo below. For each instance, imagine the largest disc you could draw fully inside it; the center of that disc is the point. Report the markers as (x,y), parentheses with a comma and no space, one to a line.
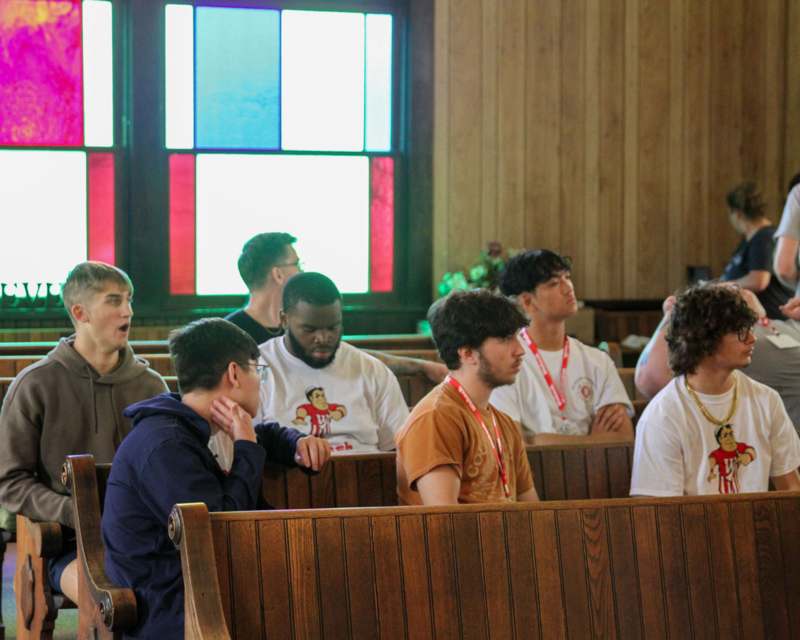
(726,460)
(319,411)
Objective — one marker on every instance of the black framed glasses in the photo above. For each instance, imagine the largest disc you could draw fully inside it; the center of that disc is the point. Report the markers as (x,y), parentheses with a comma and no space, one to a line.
(744,333)
(262,369)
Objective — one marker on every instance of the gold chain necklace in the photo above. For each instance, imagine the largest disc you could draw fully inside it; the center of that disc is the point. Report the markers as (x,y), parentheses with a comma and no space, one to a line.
(706,413)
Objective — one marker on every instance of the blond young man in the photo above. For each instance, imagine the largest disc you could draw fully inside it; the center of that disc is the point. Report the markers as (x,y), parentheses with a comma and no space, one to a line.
(70,402)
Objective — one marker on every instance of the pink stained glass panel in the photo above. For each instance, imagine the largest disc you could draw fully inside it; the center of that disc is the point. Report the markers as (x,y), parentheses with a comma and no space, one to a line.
(181,224)
(101,207)
(41,67)
(381,276)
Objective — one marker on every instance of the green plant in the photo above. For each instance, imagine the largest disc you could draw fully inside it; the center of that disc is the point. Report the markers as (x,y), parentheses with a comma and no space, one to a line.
(483,274)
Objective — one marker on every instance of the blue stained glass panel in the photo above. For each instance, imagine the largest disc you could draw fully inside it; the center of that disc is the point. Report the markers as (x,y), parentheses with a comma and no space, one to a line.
(379,83)
(237,78)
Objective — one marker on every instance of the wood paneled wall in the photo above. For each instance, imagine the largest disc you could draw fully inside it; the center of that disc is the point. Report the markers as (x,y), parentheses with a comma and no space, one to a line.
(610,130)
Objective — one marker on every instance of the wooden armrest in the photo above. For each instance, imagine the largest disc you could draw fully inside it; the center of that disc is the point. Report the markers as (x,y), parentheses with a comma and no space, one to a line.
(190,531)
(45,537)
(116,605)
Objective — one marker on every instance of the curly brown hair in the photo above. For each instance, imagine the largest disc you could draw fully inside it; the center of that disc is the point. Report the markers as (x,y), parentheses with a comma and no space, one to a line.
(703,314)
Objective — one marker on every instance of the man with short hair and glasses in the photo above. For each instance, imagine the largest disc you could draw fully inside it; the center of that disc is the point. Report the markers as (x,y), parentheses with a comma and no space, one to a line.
(712,429)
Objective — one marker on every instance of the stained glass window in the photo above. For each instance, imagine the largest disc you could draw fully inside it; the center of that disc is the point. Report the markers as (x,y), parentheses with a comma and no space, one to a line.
(56,98)
(308,94)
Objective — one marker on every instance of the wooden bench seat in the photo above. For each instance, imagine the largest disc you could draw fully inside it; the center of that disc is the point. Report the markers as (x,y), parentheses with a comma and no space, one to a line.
(691,567)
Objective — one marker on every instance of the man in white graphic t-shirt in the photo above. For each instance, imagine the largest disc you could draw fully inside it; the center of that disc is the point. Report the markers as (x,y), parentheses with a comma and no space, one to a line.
(565,389)
(712,429)
(321,385)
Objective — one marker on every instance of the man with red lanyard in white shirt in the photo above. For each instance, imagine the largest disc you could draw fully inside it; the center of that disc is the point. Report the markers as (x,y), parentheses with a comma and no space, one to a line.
(455,447)
(565,389)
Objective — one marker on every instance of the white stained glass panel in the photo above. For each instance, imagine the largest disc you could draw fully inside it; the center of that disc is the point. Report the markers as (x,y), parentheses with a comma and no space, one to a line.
(321,200)
(43,215)
(379,83)
(322,80)
(179,76)
(98,75)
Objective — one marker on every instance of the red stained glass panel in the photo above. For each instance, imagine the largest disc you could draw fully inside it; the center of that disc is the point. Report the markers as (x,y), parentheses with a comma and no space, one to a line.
(41,67)
(181,224)
(381,224)
(101,207)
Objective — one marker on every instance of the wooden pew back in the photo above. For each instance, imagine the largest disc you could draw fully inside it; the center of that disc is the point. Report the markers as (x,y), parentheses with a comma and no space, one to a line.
(572,471)
(672,567)
(413,386)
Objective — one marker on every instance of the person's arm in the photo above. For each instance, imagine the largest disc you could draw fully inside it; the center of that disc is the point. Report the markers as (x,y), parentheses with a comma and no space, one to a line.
(176,472)
(785,260)
(612,418)
(787,482)
(612,437)
(389,406)
(756,280)
(20,489)
(403,366)
(440,486)
(652,369)
(528,496)
(283,445)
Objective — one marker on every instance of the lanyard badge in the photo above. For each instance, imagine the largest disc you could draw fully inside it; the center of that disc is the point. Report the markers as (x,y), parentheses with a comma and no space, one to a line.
(496,448)
(558,396)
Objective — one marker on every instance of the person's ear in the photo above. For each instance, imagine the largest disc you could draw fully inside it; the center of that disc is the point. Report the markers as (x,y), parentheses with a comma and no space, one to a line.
(233,375)
(284,318)
(467,355)
(79,313)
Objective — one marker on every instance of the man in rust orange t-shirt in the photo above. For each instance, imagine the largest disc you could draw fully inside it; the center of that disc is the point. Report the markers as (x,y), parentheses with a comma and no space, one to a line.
(455,447)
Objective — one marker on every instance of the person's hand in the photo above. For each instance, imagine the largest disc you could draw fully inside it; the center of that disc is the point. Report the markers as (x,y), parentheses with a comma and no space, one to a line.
(609,418)
(232,419)
(312,452)
(435,371)
(791,309)
(666,307)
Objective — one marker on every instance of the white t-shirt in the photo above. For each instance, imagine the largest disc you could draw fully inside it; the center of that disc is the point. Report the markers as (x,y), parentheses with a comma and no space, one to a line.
(591,382)
(365,406)
(677,452)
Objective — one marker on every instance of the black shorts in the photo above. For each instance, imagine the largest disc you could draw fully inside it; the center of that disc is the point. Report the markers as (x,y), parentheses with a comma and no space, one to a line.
(69,552)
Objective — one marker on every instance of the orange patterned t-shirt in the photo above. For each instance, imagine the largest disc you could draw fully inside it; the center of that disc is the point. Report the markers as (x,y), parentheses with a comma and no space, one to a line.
(441,430)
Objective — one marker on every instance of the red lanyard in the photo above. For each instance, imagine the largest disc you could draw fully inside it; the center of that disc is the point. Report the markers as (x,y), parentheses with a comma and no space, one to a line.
(560,398)
(496,448)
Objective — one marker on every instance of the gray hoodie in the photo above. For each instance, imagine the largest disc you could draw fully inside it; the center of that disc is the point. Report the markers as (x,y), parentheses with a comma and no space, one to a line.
(60,406)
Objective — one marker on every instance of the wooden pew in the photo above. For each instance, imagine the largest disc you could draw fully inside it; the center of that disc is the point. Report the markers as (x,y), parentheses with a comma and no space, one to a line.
(37,605)
(105,610)
(574,471)
(352,480)
(378,342)
(690,567)
(413,386)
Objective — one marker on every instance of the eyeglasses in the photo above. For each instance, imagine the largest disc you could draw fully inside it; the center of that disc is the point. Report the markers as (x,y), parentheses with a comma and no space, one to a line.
(262,369)
(744,333)
(297,263)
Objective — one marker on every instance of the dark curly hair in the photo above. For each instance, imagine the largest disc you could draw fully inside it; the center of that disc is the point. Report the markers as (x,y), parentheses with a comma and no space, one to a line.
(468,318)
(747,199)
(527,270)
(703,314)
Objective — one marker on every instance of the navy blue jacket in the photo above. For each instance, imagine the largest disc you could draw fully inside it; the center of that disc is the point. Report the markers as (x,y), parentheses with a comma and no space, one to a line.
(166,460)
